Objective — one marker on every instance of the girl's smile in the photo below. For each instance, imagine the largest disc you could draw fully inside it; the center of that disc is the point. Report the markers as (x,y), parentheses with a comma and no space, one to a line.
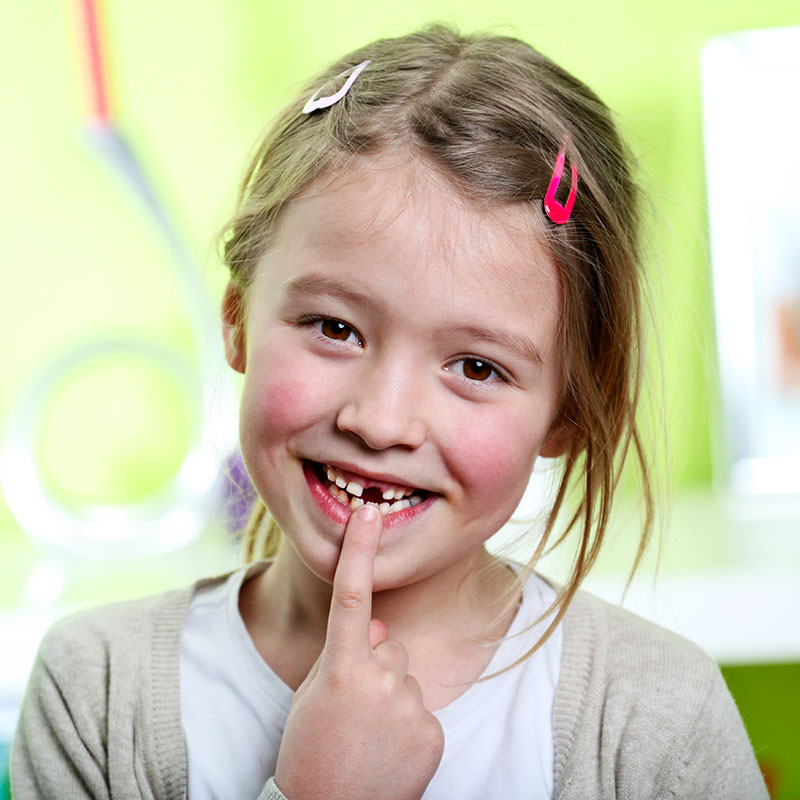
(338,493)
(398,347)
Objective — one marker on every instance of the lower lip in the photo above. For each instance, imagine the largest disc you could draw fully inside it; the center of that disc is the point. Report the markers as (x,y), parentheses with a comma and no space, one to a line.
(341,513)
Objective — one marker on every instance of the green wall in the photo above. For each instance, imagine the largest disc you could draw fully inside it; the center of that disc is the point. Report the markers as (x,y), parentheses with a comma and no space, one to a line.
(767,699)
(192,84)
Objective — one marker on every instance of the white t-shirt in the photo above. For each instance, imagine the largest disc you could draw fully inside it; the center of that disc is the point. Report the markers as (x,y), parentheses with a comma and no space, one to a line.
(234,707)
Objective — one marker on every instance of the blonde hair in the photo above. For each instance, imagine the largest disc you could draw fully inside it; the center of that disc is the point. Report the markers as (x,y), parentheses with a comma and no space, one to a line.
(490,113)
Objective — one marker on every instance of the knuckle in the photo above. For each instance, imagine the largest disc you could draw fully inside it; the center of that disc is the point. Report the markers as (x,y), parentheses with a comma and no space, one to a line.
(434,735)
(397,652)
(339,678)
(398,648)
(386,650)
(348,598)
(386,684)
(409,708)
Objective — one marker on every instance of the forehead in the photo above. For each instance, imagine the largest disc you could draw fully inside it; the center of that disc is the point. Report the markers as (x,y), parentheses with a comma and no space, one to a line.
(399,221)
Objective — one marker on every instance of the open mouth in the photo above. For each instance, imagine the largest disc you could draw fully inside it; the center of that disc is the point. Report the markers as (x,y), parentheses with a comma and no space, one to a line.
(354,491)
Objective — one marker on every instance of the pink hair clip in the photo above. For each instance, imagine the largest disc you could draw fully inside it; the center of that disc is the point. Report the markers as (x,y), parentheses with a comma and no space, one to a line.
(560,213)
(324,102)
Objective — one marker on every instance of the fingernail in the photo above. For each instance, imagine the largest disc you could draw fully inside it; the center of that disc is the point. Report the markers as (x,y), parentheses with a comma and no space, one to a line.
(367,513)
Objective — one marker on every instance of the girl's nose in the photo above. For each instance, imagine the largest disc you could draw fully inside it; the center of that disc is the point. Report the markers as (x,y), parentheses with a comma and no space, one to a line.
(384,410)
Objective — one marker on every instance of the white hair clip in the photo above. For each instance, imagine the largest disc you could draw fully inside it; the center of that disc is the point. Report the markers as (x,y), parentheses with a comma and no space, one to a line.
(324,102)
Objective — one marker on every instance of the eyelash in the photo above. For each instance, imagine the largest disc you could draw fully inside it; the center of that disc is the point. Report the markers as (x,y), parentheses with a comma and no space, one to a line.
(312,321)
(485,361)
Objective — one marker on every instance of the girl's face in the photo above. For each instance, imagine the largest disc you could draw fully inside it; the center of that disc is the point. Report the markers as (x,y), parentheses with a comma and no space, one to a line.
(402,340)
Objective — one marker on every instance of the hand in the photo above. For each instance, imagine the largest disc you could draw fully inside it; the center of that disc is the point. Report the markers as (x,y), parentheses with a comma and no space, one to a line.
(357,729)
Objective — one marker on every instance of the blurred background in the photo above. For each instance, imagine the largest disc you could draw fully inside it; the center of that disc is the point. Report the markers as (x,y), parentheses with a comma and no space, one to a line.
(126,127)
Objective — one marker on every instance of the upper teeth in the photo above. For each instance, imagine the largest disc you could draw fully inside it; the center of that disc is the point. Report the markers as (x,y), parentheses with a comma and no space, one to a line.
(355,490)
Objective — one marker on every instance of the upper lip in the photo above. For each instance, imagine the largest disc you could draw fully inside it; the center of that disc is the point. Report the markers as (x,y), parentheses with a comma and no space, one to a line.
(379,477)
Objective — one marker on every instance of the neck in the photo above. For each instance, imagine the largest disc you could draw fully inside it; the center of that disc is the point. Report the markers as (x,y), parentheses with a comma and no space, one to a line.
(468,594)
(445,621)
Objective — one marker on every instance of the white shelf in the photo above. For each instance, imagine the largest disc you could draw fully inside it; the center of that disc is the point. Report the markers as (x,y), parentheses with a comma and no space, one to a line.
(737,616)
(729,583)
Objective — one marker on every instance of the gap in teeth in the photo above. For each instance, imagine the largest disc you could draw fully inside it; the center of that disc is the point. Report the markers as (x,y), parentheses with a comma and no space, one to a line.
(350,494)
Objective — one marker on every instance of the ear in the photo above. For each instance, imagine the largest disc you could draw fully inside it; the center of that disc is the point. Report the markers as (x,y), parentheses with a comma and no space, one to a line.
(558,439)
(233,327)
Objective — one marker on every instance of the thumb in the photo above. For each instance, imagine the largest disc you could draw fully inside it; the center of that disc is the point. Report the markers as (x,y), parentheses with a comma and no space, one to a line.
(378,633)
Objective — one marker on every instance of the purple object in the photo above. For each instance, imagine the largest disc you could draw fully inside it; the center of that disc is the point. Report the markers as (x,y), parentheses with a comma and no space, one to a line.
(238,494)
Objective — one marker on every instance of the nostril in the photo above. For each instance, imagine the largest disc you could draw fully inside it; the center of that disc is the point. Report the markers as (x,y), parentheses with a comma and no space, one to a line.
(382,425)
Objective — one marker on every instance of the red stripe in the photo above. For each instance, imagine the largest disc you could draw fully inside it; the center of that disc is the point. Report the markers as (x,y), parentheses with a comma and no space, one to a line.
(100,104)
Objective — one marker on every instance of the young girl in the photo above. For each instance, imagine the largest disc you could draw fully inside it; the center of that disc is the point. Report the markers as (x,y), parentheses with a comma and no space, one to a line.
(434,282)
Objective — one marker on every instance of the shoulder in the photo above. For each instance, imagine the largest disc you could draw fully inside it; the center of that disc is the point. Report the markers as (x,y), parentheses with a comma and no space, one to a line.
(654,703)
(104,686)
(93,662)
(627,674)
(119,635)
(633,651)
(92,637)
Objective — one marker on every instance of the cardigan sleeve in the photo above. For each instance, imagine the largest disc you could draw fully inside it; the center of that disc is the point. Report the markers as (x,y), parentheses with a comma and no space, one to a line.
(641,712)
(57,751)
(272,792)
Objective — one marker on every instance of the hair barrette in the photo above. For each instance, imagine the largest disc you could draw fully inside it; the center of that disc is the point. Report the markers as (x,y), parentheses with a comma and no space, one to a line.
(557,212)
(315,102)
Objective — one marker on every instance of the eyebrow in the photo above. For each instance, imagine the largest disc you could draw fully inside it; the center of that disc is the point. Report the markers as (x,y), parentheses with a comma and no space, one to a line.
(520,345)
(321,285)
(318,285)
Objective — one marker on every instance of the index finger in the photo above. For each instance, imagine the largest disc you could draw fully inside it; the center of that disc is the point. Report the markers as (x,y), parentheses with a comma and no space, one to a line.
(351,603)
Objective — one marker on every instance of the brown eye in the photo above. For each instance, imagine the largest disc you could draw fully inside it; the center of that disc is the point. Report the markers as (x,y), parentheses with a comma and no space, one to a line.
(334,329)
(477,370)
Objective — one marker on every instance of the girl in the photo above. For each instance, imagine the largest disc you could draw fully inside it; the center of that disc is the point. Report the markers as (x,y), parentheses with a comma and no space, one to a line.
(434,282)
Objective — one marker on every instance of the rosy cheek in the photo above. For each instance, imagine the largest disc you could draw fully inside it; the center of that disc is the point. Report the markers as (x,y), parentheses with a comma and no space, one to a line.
(493,454)
(285,396)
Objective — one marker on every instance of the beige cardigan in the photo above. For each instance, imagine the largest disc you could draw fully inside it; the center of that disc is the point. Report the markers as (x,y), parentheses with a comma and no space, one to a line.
(639,712)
